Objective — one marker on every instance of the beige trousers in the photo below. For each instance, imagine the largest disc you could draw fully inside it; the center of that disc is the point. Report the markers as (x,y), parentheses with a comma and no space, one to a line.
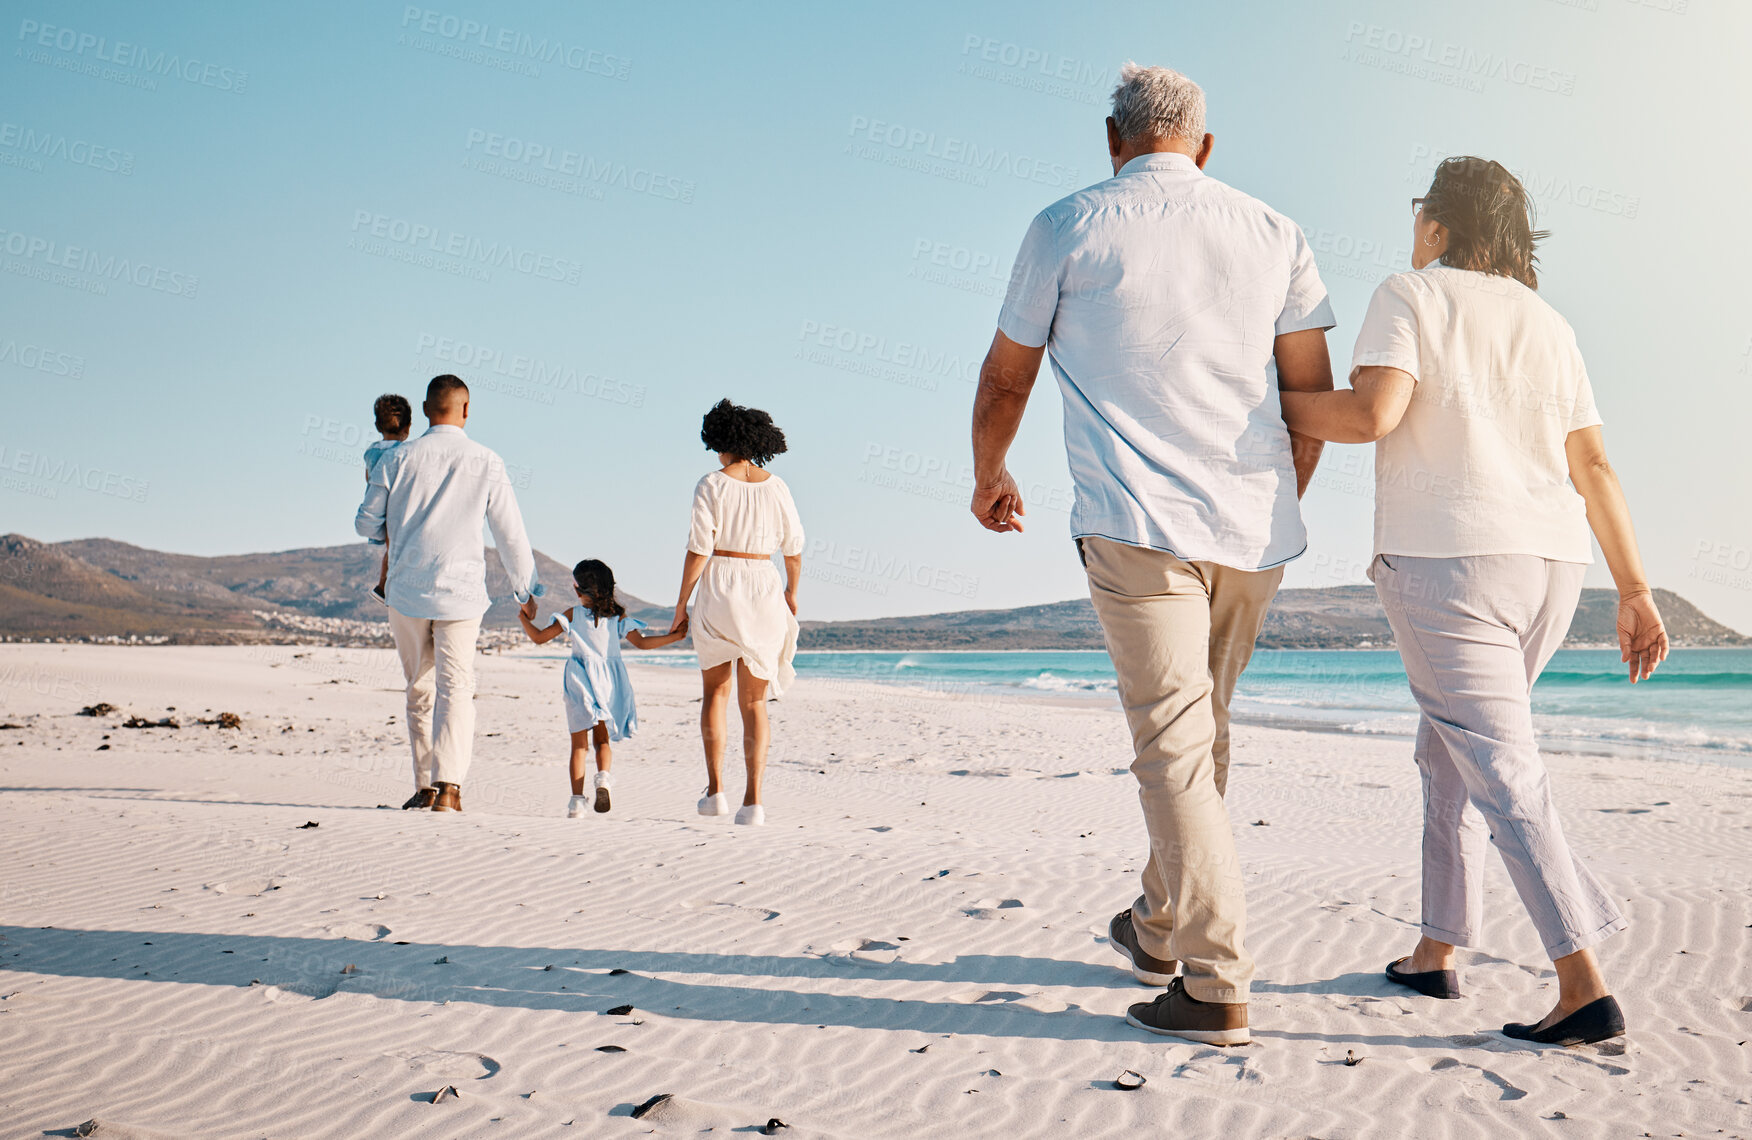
(437,658)
(1179,634)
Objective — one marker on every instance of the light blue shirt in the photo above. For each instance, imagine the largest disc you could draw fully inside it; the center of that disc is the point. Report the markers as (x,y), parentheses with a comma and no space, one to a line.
(429,498)
(376,451)
(1158,294)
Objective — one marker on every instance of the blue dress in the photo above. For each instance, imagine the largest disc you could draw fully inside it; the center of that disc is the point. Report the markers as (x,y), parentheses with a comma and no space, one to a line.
(598,689)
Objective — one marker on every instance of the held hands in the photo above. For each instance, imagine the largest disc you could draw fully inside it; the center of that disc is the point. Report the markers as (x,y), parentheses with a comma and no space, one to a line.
(527,609)
(678,629)
(1642,639)
(998,504)
(679,621)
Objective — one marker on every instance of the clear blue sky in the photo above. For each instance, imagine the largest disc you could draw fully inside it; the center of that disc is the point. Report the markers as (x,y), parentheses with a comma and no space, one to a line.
(228,227)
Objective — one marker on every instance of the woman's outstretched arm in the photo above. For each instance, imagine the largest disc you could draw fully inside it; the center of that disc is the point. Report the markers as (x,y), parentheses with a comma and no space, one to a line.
(1642,638)
(1370,408)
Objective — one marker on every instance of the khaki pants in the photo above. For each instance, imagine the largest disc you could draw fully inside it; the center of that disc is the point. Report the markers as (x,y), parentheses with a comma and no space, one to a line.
(437,658)
(1179,634)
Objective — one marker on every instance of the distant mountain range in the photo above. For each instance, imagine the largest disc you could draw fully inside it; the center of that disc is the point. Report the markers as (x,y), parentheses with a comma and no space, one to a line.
(102,589)
(1339,617)
(99,589)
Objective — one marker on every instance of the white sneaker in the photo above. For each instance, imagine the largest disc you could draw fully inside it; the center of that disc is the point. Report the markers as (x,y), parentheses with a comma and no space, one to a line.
(718,804)
(575,809)
(604,781)
(752,814)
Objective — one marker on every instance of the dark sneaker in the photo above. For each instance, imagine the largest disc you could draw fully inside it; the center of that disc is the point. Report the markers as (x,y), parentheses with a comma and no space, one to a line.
(1146,969)
(449,798)
(1179,1014)
(421,800)
(1595,1021)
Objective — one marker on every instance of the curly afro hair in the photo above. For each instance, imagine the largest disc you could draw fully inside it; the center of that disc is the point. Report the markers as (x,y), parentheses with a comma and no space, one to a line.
(745,432)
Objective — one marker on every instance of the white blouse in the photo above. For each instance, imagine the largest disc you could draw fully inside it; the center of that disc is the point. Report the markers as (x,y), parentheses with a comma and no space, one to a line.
(751,518)
(1477,465)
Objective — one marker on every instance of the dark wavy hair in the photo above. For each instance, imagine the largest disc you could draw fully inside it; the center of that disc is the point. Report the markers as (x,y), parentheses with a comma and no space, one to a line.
(595,582)
(1489,219)
(748,433)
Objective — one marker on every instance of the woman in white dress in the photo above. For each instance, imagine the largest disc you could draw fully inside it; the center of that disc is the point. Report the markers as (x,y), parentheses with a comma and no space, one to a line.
(744,622)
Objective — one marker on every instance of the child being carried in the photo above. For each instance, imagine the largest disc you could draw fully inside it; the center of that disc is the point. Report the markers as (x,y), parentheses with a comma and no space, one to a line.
(394,417)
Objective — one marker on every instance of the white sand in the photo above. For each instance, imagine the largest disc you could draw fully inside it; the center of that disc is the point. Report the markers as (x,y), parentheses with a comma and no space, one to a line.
(180,958)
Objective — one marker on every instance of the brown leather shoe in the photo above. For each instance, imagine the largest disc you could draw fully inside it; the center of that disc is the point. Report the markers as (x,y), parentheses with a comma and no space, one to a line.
(449,797)
(421,799)
(1179,1014)
(1145,968)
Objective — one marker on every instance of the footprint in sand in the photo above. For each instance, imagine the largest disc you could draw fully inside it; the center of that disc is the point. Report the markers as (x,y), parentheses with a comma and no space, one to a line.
(1481,1085)
(1218,1068)
(991,908)
(860,952)
(1037,1002)
(358,931)
(730,910)
(445,1065)
(248,886)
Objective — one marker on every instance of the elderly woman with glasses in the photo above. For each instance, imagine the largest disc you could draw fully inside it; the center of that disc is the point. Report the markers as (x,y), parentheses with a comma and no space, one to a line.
(1490,472)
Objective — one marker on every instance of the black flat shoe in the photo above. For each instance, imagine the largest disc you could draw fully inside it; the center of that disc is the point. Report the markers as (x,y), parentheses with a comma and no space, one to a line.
(1430,983)
(1595,1021)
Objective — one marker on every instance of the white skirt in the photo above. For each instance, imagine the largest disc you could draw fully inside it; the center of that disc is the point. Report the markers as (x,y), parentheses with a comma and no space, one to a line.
(741,613)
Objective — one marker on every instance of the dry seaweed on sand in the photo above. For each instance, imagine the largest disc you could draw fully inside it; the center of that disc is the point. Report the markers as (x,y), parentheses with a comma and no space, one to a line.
(142,722)
(101,708)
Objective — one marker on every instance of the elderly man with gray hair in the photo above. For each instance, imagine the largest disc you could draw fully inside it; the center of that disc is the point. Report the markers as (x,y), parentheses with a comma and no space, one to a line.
(1175,308)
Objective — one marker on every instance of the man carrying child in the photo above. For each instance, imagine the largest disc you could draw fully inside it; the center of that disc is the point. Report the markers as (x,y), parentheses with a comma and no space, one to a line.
(428,499)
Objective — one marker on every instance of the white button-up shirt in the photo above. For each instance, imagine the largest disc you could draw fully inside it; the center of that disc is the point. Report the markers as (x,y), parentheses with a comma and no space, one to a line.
(428,498)
(1158,294)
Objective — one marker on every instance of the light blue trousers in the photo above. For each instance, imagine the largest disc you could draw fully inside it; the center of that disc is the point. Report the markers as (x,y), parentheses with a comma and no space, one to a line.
(1474,634)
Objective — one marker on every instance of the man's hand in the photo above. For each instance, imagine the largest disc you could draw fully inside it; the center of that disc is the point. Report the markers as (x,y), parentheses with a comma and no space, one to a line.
(998,505)
(527,609)
(1005,379)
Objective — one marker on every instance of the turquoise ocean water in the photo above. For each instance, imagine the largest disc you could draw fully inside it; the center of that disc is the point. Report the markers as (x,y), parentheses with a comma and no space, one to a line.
(1698,707)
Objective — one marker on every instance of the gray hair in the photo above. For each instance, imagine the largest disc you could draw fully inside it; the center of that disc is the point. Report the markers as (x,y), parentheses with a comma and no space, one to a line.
(1157,102)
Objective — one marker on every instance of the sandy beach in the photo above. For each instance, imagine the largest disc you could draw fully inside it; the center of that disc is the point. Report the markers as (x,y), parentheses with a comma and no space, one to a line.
(220,932)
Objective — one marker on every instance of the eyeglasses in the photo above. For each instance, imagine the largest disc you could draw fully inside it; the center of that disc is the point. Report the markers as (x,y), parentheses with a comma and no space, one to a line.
(1416,205)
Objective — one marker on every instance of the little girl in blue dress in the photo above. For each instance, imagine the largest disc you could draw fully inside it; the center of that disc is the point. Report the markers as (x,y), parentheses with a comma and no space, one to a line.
(598,691)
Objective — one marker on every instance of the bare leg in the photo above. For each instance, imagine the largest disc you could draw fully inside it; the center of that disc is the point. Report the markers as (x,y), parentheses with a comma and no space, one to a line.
(580,756)
(604,754)
(751,694)
(714,705)
(1430,955)
(1579,982)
